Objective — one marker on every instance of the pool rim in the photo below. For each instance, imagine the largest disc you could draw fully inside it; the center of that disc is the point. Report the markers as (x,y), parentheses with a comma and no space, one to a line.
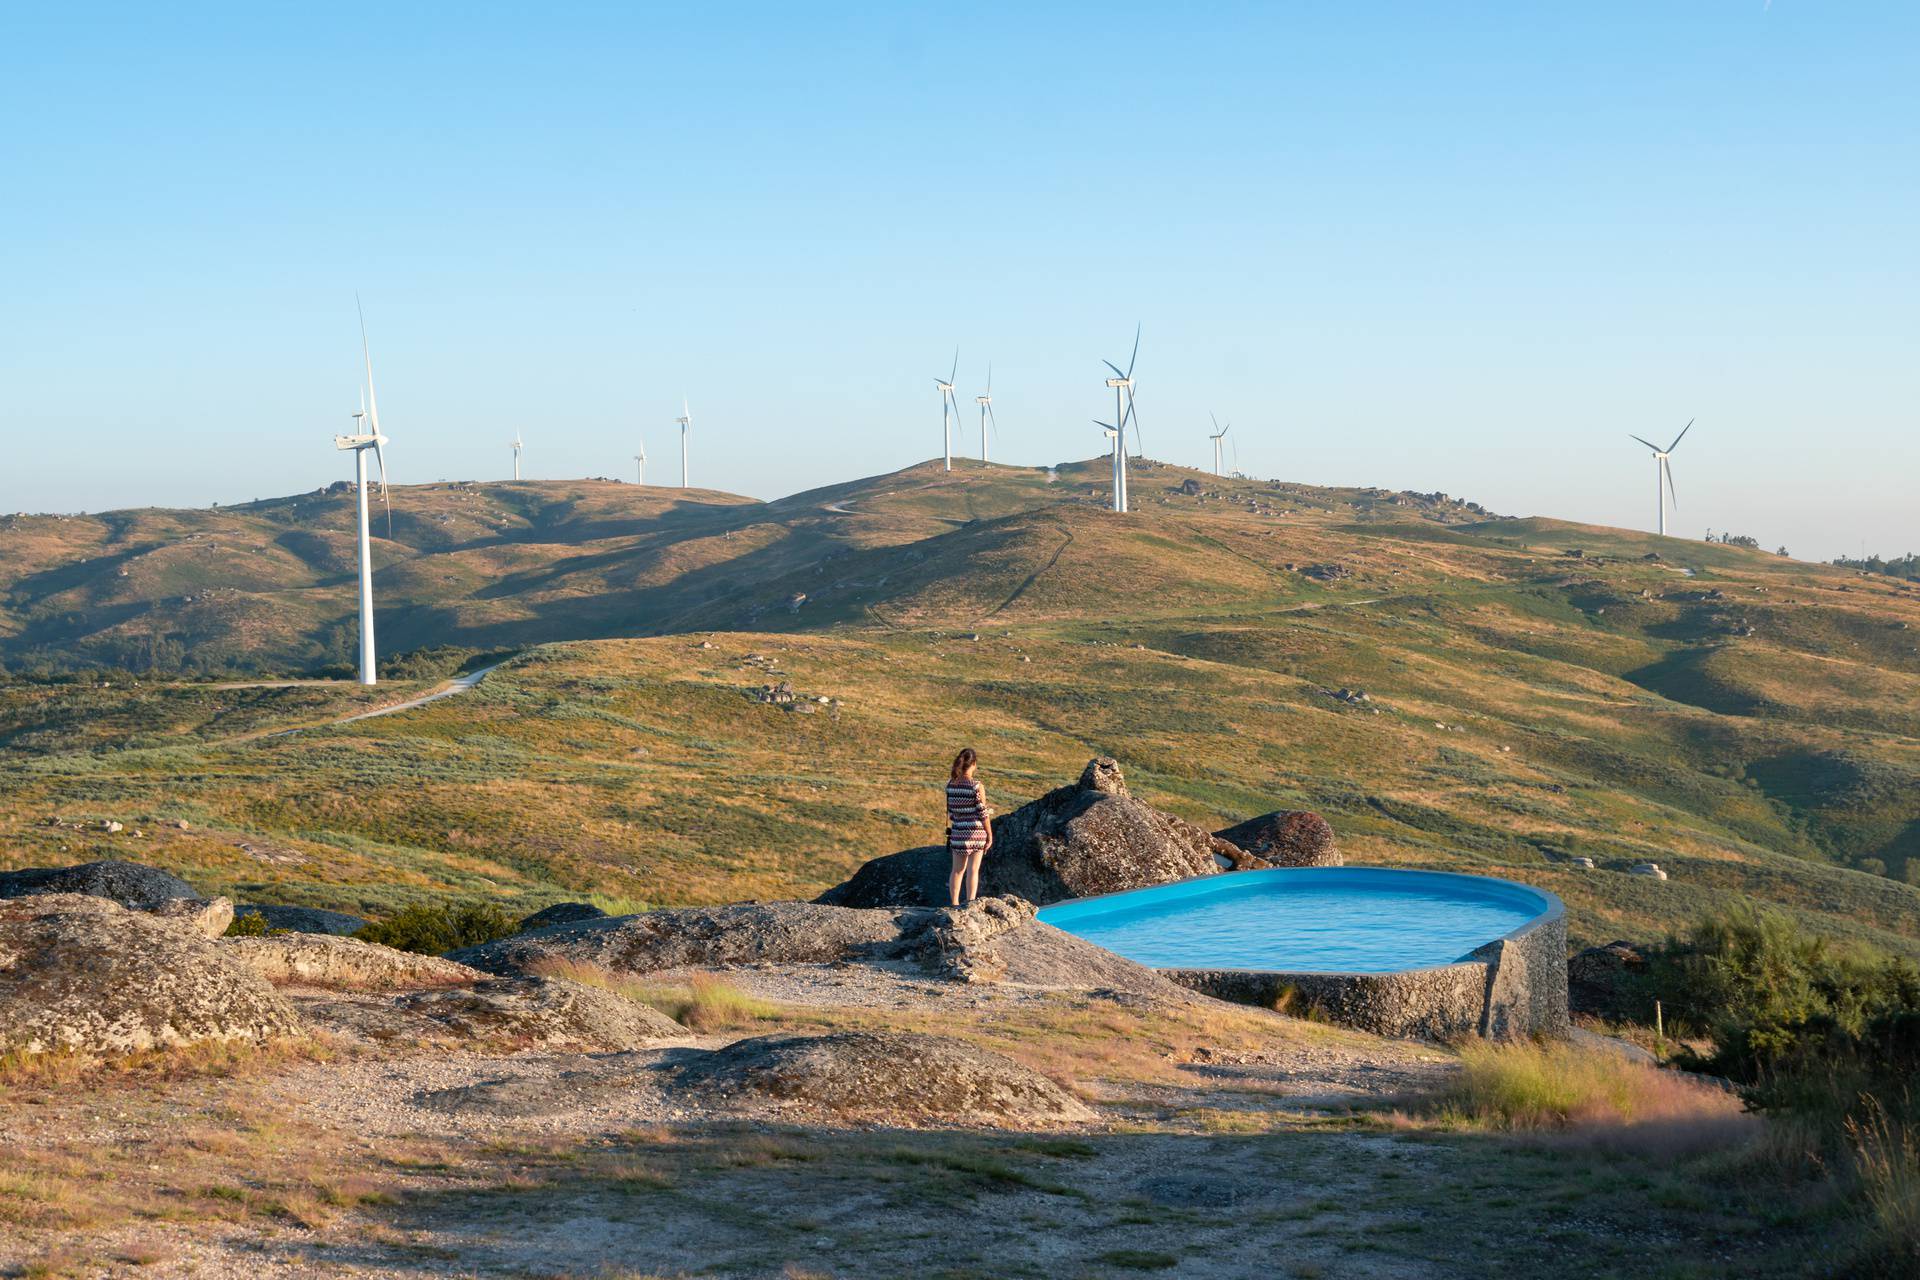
(1553,909)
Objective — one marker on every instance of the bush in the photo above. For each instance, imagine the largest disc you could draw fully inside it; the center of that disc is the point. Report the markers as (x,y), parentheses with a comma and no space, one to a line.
(435,929)
(250,925)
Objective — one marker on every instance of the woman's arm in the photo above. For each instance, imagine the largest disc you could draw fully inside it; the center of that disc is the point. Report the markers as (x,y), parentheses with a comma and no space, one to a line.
(986,814)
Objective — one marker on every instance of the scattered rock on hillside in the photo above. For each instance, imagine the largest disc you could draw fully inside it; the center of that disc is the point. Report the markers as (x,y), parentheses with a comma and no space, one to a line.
(561,913)
(322,960)
(303,919)
(81,972)
(128,883)
(886,1077)
(1088,838)
(701,937)
(1284,838)
(1649,869)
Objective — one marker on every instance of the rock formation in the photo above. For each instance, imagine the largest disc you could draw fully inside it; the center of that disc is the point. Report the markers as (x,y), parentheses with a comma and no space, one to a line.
(303,919)
(1088,838)
(1283,838)
(885,1077)
(128,883)
(81,972)
(561,913)
(321,960)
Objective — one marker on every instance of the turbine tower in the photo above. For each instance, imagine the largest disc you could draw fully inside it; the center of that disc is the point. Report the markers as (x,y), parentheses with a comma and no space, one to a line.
(949,409)
(517,446)
(986,409)
(1121,385)
(685,420)
(1219,434)
(640,461)
(1663,474)
(366,435)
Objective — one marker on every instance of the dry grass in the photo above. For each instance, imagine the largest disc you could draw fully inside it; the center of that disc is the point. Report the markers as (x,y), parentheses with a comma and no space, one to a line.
(25,1074)
(1595,1098)
(1887,1158)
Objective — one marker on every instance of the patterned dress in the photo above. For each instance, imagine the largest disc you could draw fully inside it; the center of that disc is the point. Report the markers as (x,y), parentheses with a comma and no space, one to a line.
(967,815)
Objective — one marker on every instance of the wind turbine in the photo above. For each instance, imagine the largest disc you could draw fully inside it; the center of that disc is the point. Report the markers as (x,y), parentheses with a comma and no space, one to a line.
(366,435)
(517,446)
(1663,474)
(1219,433)
(949,409)
(986,407)
(685,420)
(640,460)
(1122,383)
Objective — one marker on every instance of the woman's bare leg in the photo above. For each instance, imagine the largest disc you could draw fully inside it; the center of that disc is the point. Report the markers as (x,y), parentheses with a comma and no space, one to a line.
(956,877)
(973,874)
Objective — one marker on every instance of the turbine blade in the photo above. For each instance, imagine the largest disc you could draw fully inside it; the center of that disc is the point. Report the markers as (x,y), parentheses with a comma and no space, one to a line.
(1650,444)
(366,353)
(1136,352)
(380,456)
(1216,421)
(1133,416)
(956,365)
(1682,436)
(993,422)
(989,377)
(1673,498)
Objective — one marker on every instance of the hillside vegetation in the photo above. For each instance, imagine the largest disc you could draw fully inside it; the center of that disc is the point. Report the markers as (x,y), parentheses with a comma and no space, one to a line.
(1536,691)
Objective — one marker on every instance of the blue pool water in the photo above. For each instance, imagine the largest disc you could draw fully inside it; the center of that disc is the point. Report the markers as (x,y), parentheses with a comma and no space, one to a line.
(1304,920)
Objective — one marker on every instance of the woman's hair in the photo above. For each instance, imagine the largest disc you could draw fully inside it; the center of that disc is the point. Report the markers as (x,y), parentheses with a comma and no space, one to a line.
(961,763)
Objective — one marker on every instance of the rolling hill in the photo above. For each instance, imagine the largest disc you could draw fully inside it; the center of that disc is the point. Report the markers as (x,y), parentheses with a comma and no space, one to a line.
(1537,691)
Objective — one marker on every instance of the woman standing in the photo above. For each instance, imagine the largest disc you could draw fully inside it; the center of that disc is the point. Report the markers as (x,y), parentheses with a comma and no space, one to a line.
(969,828)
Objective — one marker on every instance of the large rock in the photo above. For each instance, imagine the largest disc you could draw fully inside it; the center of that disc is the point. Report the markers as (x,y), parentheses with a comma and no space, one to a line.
(81,972)
(208,917)
(1076,841)
(543,1011)
(322,960)
(302,919)
(885,1077)
(701,937)
(1610,982)
(561,913)
(128,883)
(1283,838)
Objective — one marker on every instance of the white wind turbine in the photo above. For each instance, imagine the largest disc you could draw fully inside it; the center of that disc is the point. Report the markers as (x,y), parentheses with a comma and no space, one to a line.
(949,409)
(986,408)
(367,436)
(517,446)
(1218,435)
(1663,474)
(640,461)
(1122,384)
(685,420)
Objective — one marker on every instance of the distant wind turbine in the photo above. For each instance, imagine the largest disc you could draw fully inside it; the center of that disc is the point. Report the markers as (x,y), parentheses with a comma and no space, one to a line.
(685,420)
(1663,491)
(986,409)
(1123,412)
(949,409)
(1219,434)
(367,436)
(640,460)
(517,446)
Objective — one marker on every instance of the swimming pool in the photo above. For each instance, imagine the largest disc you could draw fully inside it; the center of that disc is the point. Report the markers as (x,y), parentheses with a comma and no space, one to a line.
(1304,919)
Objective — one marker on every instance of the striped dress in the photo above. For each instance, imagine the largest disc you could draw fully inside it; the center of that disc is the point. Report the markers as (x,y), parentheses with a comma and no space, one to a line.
(967,815)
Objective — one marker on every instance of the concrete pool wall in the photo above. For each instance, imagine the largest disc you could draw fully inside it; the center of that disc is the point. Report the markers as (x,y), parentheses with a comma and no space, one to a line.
(1511,988)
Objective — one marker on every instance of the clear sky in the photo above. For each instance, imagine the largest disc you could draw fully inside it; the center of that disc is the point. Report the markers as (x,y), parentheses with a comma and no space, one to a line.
(1456,247)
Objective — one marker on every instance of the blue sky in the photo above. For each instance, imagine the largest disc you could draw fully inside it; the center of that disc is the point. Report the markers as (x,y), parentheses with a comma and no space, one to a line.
(1465,248)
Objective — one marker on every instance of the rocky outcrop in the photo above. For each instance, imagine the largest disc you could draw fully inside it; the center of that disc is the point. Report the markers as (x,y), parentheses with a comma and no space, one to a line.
(884,1077)
(561,913)
(1609,982)
(1283,838)
(208,917)
(957,942)
(1076,841)
(302,919)
(543,1011)
(128,883)
(81,972)
(322,960)
(702,937)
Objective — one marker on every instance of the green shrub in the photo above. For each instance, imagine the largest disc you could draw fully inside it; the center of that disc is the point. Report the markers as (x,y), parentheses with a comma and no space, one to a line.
(250,925)
(436,928)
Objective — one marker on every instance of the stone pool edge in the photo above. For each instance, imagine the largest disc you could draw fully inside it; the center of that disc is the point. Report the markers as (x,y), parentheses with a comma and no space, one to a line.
(1512,988)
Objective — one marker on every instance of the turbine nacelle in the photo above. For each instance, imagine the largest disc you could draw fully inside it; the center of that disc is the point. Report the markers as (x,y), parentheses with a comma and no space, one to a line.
(361,441)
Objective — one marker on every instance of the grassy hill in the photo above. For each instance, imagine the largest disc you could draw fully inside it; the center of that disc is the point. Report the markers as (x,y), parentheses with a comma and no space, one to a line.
(1537,690)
